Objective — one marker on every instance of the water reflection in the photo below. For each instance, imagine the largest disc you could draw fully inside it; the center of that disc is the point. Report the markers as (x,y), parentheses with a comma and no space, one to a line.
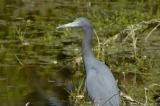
(42,87)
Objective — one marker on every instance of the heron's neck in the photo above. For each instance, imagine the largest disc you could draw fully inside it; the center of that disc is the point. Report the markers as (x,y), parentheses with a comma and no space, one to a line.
(87,52)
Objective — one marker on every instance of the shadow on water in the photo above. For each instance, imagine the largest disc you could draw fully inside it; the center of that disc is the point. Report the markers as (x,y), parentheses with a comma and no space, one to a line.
(42,89)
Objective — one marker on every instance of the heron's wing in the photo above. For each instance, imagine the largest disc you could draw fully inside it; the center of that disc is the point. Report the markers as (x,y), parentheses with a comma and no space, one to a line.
(101,87)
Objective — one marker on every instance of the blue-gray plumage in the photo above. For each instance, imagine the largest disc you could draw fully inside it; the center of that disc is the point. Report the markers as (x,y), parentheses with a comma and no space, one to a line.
(100,83)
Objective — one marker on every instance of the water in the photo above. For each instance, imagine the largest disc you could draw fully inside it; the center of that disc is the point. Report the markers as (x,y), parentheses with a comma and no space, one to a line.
(39,63)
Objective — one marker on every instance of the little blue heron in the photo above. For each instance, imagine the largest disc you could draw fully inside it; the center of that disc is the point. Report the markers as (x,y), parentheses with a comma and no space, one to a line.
(100,84)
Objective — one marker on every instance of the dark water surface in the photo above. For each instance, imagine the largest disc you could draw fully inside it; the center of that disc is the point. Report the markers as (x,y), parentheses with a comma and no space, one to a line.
(39,64)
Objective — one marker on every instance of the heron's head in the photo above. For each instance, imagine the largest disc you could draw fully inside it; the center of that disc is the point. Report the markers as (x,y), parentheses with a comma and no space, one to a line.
(79,22)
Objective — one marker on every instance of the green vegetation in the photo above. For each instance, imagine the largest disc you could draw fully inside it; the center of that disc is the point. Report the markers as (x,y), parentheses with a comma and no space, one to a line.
(37,61)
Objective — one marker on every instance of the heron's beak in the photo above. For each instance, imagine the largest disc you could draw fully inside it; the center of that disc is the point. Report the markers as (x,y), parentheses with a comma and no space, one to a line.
(69,25)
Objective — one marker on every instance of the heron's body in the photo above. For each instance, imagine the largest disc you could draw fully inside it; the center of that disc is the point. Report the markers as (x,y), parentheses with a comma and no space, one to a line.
(100,83)
(99,88)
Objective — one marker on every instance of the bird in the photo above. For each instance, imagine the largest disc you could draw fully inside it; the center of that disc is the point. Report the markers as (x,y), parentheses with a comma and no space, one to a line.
(100,84)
